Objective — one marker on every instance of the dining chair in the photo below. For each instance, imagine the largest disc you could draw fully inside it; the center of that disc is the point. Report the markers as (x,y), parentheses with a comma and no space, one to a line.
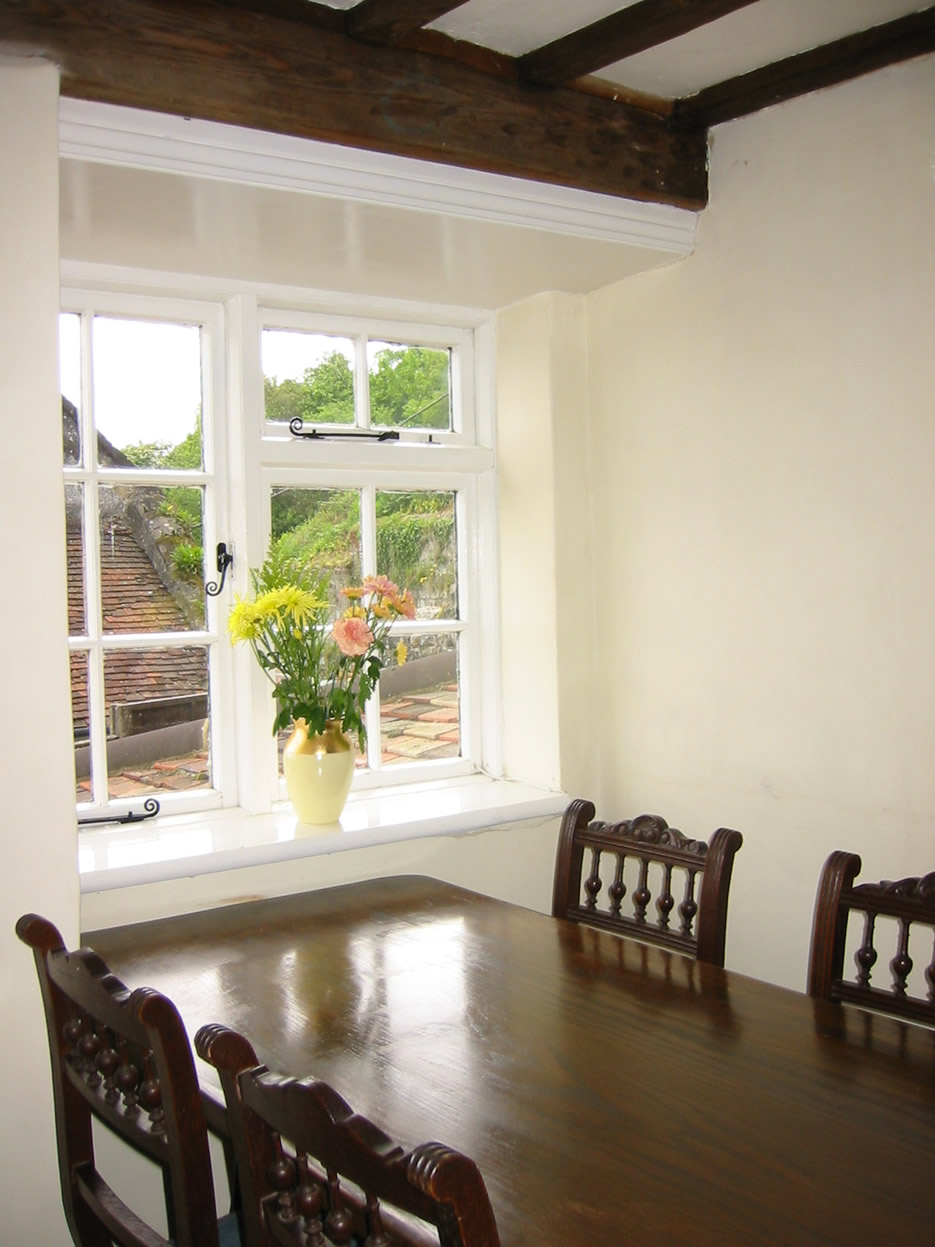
(905,905)
(121,1060)
(339,1179)
(645,853)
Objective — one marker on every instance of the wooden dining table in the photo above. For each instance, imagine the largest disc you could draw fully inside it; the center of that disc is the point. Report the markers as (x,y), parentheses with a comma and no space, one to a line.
(609,1092)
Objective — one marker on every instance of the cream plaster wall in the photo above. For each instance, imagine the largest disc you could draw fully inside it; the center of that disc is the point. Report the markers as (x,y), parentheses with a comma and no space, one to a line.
(39,869)
(764,481)
(546,554)
(526,461)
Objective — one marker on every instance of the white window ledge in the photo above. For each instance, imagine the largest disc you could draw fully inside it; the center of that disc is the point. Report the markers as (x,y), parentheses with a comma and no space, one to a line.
(120,856)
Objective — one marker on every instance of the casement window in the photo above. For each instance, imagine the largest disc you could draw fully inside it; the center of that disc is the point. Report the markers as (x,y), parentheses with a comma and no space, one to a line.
(196,434)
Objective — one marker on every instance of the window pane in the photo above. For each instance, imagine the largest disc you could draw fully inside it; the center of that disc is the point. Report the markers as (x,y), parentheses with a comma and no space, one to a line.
(419,712)
(78,666)
(152,577)
(416,548)
(74,543)
(409,386)
(309,376)
(320,528)
(69,368)
(147,393)
(157,706)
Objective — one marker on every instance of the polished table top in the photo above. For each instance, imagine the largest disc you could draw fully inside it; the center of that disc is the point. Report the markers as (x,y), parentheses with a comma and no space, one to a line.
(609,1092)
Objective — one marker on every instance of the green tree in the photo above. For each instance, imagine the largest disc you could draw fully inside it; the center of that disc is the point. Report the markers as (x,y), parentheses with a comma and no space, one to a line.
(283,399)
(320,529)
(409,388)
(181,503)
(328,392)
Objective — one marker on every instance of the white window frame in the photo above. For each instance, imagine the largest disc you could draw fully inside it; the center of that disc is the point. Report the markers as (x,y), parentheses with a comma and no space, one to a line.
(256,452)
(90,475)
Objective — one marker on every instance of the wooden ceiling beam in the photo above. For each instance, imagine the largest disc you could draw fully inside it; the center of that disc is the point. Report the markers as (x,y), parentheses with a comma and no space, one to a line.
(227,64)
(624,33)
(308,11)
(851,57)
(385,21)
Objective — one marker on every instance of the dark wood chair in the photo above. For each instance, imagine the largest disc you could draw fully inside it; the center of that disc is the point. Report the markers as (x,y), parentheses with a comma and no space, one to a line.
(660,856)
(339,1179)
(908,903)
(122,1059)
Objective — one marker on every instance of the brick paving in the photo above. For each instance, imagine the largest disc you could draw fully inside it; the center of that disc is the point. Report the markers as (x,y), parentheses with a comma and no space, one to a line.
(420,726)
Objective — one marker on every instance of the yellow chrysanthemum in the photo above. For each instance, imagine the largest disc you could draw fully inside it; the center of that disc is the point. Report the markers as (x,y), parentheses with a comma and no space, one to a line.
(355,612)
(243,622)
(270,605)
(402,653)
(301,604)
(381,610)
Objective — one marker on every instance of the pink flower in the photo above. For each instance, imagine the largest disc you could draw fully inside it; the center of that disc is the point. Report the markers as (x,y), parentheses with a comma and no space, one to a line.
(380,585)
(352,636)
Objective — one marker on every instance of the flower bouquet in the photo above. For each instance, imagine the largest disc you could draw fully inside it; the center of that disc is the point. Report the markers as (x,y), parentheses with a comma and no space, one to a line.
(322,673)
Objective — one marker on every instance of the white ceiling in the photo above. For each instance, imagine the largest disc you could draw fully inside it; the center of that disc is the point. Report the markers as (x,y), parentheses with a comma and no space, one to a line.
(277,209)
(145,219)
(757,35)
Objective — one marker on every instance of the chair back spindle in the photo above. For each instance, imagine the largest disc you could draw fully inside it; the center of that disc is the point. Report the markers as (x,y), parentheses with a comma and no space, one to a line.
(683,914)
(909,905)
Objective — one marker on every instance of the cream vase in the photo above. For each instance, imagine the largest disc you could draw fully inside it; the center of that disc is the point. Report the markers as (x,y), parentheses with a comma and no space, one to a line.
(318,771)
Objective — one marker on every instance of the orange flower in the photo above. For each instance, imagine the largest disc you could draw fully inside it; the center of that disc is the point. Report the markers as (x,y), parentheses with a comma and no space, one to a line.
(404,605)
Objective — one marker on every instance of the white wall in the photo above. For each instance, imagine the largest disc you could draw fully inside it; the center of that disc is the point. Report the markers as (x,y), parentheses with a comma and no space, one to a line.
(763,417)
(39,869)
(546,550)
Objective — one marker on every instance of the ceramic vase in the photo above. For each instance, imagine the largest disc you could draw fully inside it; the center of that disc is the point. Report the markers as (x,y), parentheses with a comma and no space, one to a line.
(318,771)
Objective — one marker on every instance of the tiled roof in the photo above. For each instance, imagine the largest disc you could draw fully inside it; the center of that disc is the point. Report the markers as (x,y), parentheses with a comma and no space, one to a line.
(133,597)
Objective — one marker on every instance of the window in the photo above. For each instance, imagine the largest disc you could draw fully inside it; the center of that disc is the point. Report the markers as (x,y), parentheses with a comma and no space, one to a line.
(355,444)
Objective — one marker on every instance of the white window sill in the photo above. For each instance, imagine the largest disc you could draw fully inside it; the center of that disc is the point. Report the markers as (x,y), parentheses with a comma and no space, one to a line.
(120,856)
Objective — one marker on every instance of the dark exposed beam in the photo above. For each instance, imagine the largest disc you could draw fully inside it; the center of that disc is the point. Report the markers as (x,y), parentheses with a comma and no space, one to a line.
(385,21)
(227,64)
(296,10)
(624,33)
(900,40)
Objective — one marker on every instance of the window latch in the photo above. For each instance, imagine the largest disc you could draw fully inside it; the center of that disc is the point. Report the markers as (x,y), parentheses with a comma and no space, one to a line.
(150,807)
(297,429)
(225,560)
